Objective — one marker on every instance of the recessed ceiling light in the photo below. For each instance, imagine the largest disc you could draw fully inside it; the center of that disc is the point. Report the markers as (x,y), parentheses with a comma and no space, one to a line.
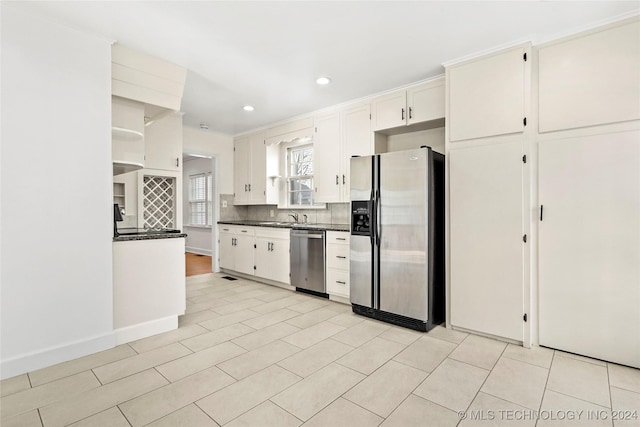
(323,80)
(248,108)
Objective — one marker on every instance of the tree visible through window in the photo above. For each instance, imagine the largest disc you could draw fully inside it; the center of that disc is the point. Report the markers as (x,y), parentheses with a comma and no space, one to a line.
(200,206)
(300,177)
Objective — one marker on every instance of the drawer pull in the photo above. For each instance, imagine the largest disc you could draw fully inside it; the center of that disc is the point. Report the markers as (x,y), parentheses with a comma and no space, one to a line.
(340,282)
(244,231)
(341,257)
(341,238)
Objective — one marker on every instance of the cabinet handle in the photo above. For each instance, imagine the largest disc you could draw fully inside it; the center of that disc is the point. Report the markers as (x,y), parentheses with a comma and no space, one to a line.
(341,282)
(341,257)
(245,187)
(337,180)
(403,114)
(410,112)
(541,210)
(243,231)
(177,162)
(341,238)
(249,187)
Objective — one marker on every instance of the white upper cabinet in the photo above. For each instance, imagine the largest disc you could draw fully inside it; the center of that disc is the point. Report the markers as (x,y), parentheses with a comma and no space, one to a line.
(326,158)
(390,111)
(416,104)
(241,169)
(357,141)
(250,162)
(590,80)
(163,143)
(338,137)
(488,96)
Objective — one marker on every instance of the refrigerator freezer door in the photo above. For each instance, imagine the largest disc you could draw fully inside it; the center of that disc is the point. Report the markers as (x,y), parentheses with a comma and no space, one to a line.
(404,256)
(360,267)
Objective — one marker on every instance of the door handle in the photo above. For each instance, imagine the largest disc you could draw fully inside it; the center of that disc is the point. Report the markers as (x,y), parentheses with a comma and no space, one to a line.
(378,218)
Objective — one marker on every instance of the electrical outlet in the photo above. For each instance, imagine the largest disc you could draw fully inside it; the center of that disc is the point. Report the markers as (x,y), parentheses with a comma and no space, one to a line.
(224,203)
(271,213)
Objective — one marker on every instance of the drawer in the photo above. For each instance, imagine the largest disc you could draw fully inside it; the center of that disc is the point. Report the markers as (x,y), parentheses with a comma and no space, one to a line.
(339,237)
(338,282)
(272,233)
(235,229)
(338,256)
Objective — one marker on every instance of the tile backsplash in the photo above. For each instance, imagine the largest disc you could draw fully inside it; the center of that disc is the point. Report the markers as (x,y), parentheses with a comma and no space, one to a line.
(335,213)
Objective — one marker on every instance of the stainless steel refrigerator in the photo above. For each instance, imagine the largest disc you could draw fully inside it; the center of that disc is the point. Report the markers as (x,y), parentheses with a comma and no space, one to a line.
(397,248)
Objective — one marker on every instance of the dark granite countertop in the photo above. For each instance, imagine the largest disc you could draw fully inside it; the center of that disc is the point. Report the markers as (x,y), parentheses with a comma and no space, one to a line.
(148,235)
(280,224)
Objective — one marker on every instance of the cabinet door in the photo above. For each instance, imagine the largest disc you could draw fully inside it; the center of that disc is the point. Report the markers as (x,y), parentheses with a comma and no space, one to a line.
(227,258)
(263,257)
(589,250)
(590,80)
(280,261)
(326,158)
(244,254)
(338,282)
(426,102)
(390,110)
(357,141)
(487,96)
(163,144)
(241,170)
(486,247)
(258,171)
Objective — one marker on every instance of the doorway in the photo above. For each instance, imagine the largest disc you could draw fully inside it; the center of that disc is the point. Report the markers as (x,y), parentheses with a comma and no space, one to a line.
(200,209)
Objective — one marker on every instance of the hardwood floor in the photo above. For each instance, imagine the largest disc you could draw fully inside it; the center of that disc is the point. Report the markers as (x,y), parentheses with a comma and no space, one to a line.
(197,264)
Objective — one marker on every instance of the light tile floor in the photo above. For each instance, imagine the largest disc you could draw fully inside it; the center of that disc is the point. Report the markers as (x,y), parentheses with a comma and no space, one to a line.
(248,354)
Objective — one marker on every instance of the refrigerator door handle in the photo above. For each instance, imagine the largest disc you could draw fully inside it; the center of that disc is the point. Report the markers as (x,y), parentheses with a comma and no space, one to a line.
(378,219)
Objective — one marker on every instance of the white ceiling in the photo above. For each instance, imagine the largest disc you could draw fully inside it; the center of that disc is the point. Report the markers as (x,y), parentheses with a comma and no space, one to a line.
(269,53)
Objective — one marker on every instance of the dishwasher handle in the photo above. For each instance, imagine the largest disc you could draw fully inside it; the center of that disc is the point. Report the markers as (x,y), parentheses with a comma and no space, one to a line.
(304,234)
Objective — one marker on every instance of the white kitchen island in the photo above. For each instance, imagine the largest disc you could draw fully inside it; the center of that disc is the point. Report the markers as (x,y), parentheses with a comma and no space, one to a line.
(148,285)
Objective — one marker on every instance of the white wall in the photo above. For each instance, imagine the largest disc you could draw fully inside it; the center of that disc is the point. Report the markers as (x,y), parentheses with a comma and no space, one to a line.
(56,221)
(198,238)
(196,141)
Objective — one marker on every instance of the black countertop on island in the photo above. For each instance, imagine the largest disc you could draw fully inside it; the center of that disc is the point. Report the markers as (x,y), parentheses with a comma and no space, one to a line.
(283,224)
(129,234)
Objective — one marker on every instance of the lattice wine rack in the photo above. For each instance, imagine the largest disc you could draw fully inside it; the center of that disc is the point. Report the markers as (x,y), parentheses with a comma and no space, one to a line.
(159,201)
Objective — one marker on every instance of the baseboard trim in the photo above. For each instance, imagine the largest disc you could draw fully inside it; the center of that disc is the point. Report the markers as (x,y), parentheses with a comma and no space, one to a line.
(198,251)
(146,329)
(53,355)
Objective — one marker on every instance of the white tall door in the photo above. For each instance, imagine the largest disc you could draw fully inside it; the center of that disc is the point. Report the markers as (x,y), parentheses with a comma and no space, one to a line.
(241,169)
(589,282)
(486,244)
(258,172)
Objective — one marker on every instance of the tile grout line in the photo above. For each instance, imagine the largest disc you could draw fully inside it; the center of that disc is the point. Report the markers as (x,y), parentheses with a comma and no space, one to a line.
(544,392)
(125,417)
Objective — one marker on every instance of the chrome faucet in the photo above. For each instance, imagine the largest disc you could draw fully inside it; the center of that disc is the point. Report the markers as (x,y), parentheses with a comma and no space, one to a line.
(294,216)
(304,218)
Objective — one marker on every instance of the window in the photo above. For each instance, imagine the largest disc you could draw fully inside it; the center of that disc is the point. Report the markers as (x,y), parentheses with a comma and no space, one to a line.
(200,205)
(300,176)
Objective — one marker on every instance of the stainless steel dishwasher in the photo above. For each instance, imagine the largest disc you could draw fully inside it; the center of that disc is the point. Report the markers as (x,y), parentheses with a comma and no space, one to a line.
(307,260)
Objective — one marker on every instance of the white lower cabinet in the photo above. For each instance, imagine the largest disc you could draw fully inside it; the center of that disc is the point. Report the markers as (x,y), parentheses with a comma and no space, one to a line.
(236,248)
(255,251)
(272,254)
(337,266)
